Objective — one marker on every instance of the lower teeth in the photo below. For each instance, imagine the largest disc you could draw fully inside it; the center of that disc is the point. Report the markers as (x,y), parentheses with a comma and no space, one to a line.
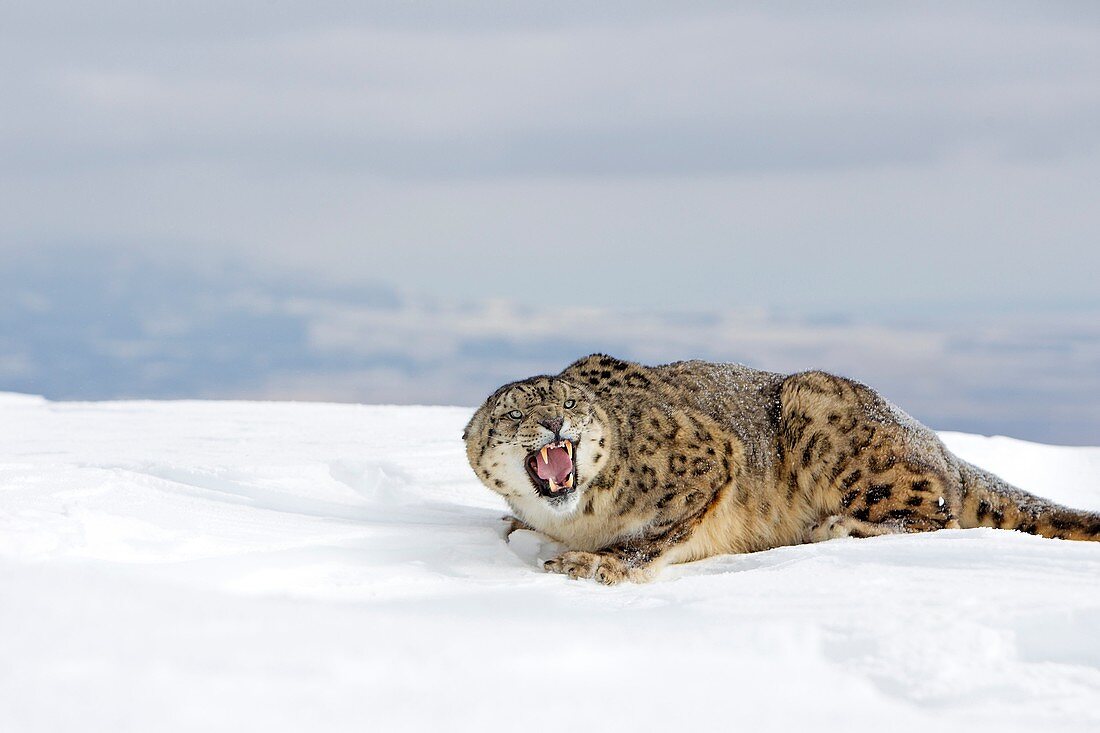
(555,488)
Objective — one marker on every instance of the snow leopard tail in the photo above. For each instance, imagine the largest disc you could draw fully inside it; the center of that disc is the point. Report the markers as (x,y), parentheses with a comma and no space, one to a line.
(989,501)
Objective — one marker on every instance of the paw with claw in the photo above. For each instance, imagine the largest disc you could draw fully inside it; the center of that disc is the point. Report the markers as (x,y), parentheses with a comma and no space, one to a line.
(602,568)
(511,524)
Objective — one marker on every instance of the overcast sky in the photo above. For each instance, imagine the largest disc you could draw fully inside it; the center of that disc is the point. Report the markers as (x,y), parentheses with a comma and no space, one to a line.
(686,154)
(416,201)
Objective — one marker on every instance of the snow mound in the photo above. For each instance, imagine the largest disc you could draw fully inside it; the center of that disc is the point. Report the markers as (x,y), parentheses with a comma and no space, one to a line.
(228,566)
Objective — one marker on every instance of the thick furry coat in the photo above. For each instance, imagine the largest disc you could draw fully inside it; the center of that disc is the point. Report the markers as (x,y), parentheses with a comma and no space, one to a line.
(683,461)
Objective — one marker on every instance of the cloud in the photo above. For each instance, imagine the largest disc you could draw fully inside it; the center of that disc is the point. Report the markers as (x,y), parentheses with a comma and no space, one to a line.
(676,148)
(409,202)
(707,91)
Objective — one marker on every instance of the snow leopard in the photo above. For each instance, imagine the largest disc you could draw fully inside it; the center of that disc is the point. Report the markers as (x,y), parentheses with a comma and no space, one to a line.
(634,467)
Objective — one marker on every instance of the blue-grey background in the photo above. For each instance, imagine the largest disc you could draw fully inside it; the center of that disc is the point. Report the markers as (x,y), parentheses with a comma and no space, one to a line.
(413,202)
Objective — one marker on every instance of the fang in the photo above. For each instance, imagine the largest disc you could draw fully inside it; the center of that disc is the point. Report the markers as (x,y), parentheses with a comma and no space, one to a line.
(569,482)
(543,451)
(569,447)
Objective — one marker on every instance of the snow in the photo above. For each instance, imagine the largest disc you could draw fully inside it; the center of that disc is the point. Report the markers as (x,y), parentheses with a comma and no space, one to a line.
(229,566)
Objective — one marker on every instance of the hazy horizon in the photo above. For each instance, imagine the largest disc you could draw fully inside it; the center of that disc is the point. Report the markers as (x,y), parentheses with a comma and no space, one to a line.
(100,327)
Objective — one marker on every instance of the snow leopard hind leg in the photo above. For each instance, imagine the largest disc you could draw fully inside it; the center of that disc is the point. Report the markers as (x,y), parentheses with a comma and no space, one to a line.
(864,466)
(869,469)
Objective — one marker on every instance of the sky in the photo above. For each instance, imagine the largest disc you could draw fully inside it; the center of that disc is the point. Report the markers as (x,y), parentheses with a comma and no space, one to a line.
(566,166)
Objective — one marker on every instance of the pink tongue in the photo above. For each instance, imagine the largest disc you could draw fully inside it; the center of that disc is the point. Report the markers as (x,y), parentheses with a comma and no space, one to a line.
(559,467)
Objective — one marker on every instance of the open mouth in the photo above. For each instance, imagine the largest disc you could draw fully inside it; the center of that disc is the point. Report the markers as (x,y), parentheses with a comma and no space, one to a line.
(552,469)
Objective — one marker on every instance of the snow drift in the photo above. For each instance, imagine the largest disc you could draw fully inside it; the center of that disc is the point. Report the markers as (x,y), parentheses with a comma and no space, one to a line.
(259,566)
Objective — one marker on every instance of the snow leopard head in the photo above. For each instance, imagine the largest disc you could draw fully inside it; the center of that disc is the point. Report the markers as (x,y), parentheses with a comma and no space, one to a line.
(538,442)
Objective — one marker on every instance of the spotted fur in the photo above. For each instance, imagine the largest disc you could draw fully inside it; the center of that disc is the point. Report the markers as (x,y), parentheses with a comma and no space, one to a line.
(693,459)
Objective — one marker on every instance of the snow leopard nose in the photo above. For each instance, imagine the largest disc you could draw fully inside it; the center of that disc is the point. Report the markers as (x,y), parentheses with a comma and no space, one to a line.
(553,424)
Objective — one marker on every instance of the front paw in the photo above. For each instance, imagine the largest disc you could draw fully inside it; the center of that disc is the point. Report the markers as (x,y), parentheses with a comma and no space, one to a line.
(512,524)
(606,569)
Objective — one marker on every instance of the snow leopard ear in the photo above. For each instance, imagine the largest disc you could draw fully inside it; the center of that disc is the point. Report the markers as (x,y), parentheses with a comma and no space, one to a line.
(470,426)
(481,414)
(477,420)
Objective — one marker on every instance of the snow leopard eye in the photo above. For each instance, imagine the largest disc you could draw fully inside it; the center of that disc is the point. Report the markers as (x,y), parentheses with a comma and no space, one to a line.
(569,404)
(515,414)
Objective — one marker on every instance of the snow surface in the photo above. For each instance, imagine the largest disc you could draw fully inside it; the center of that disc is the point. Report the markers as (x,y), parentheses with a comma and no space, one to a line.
(227,566)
